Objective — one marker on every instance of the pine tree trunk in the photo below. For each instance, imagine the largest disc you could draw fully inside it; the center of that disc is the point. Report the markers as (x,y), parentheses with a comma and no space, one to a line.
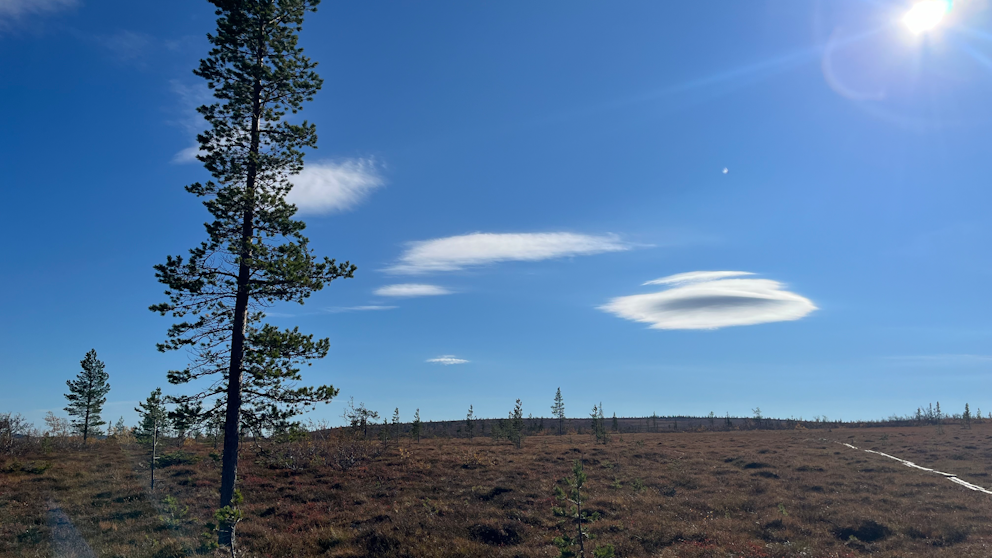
(154,450)
(232,434)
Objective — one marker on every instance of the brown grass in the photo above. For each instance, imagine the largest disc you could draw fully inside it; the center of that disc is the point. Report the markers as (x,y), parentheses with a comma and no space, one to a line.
(747,494)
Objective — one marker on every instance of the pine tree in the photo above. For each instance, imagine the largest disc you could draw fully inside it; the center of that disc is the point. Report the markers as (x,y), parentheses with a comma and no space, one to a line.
(153,417)
(119,430)
(255,254)
(359,417)
(87,394)
(599,424)
(470,422)
(558,412)
(415,427)
(571,508)
(396,423)
(183,419)
(603,434)
(516,424)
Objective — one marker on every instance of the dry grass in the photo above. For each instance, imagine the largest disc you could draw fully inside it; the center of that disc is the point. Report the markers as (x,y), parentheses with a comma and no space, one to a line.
(99,490)
(747,494)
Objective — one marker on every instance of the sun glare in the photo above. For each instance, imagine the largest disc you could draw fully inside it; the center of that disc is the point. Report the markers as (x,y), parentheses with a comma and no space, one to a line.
(926,15)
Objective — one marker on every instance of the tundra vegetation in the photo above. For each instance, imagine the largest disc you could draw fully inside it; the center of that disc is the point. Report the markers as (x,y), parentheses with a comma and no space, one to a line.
(697,492)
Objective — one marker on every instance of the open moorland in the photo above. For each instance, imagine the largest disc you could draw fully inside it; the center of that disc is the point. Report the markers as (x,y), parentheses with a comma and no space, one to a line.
(741,494)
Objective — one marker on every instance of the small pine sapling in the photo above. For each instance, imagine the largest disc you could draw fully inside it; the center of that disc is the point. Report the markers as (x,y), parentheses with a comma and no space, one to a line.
(570,508)
(416,426)
(516,433)
(470,422)
(153,417)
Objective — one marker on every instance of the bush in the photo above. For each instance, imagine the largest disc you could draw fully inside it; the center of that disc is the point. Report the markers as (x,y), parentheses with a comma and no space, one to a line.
(355,452)
(177,458)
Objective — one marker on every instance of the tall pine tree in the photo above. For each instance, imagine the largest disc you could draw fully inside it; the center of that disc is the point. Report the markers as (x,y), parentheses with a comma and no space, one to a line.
(87,394)
(255,253)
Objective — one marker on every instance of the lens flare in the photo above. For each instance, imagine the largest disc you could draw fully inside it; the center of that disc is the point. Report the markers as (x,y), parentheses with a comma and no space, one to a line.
(926,15)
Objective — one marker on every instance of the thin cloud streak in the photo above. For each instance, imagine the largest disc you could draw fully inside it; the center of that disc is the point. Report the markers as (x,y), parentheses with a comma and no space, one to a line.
(709,300)
(458,252)
(17,8)
(695,277)
(368,308)
(941,359)
(447,360)
(407,290)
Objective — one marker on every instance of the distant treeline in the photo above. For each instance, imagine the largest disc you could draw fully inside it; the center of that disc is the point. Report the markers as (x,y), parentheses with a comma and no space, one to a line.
(650,424)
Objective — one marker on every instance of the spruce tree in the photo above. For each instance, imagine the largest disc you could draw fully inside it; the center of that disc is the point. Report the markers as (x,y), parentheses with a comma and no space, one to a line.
(558,411)
(966,417)
(255,254)
(87,394)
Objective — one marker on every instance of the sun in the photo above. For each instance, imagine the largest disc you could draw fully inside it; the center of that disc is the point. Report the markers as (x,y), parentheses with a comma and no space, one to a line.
(925,15)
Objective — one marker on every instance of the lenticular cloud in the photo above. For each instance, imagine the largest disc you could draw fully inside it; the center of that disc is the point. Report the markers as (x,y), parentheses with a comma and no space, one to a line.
(711,300)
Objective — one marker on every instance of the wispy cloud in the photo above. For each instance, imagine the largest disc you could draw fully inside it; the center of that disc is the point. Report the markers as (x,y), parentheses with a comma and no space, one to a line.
(696,277)
(14,9)
(458,252)
(190,97)
(411,290)
(328,186)
(711,300)
(369,308)
(126,46)
(941,359)
(447,360)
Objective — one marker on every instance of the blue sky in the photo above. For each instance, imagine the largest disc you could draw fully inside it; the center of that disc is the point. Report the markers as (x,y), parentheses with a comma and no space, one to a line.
(507,177)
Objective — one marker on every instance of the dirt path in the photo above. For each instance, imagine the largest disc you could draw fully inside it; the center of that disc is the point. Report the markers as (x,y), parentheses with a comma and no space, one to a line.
(950,476)
(66,540)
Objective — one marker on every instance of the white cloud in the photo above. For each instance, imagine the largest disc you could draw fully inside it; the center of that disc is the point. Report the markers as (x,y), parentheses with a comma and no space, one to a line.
(16,8)
(368,308)
(695,277)
(322,186)
(411,290)
(710,300)
(457,252)
(447,360)
(327,186)
(187,155)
